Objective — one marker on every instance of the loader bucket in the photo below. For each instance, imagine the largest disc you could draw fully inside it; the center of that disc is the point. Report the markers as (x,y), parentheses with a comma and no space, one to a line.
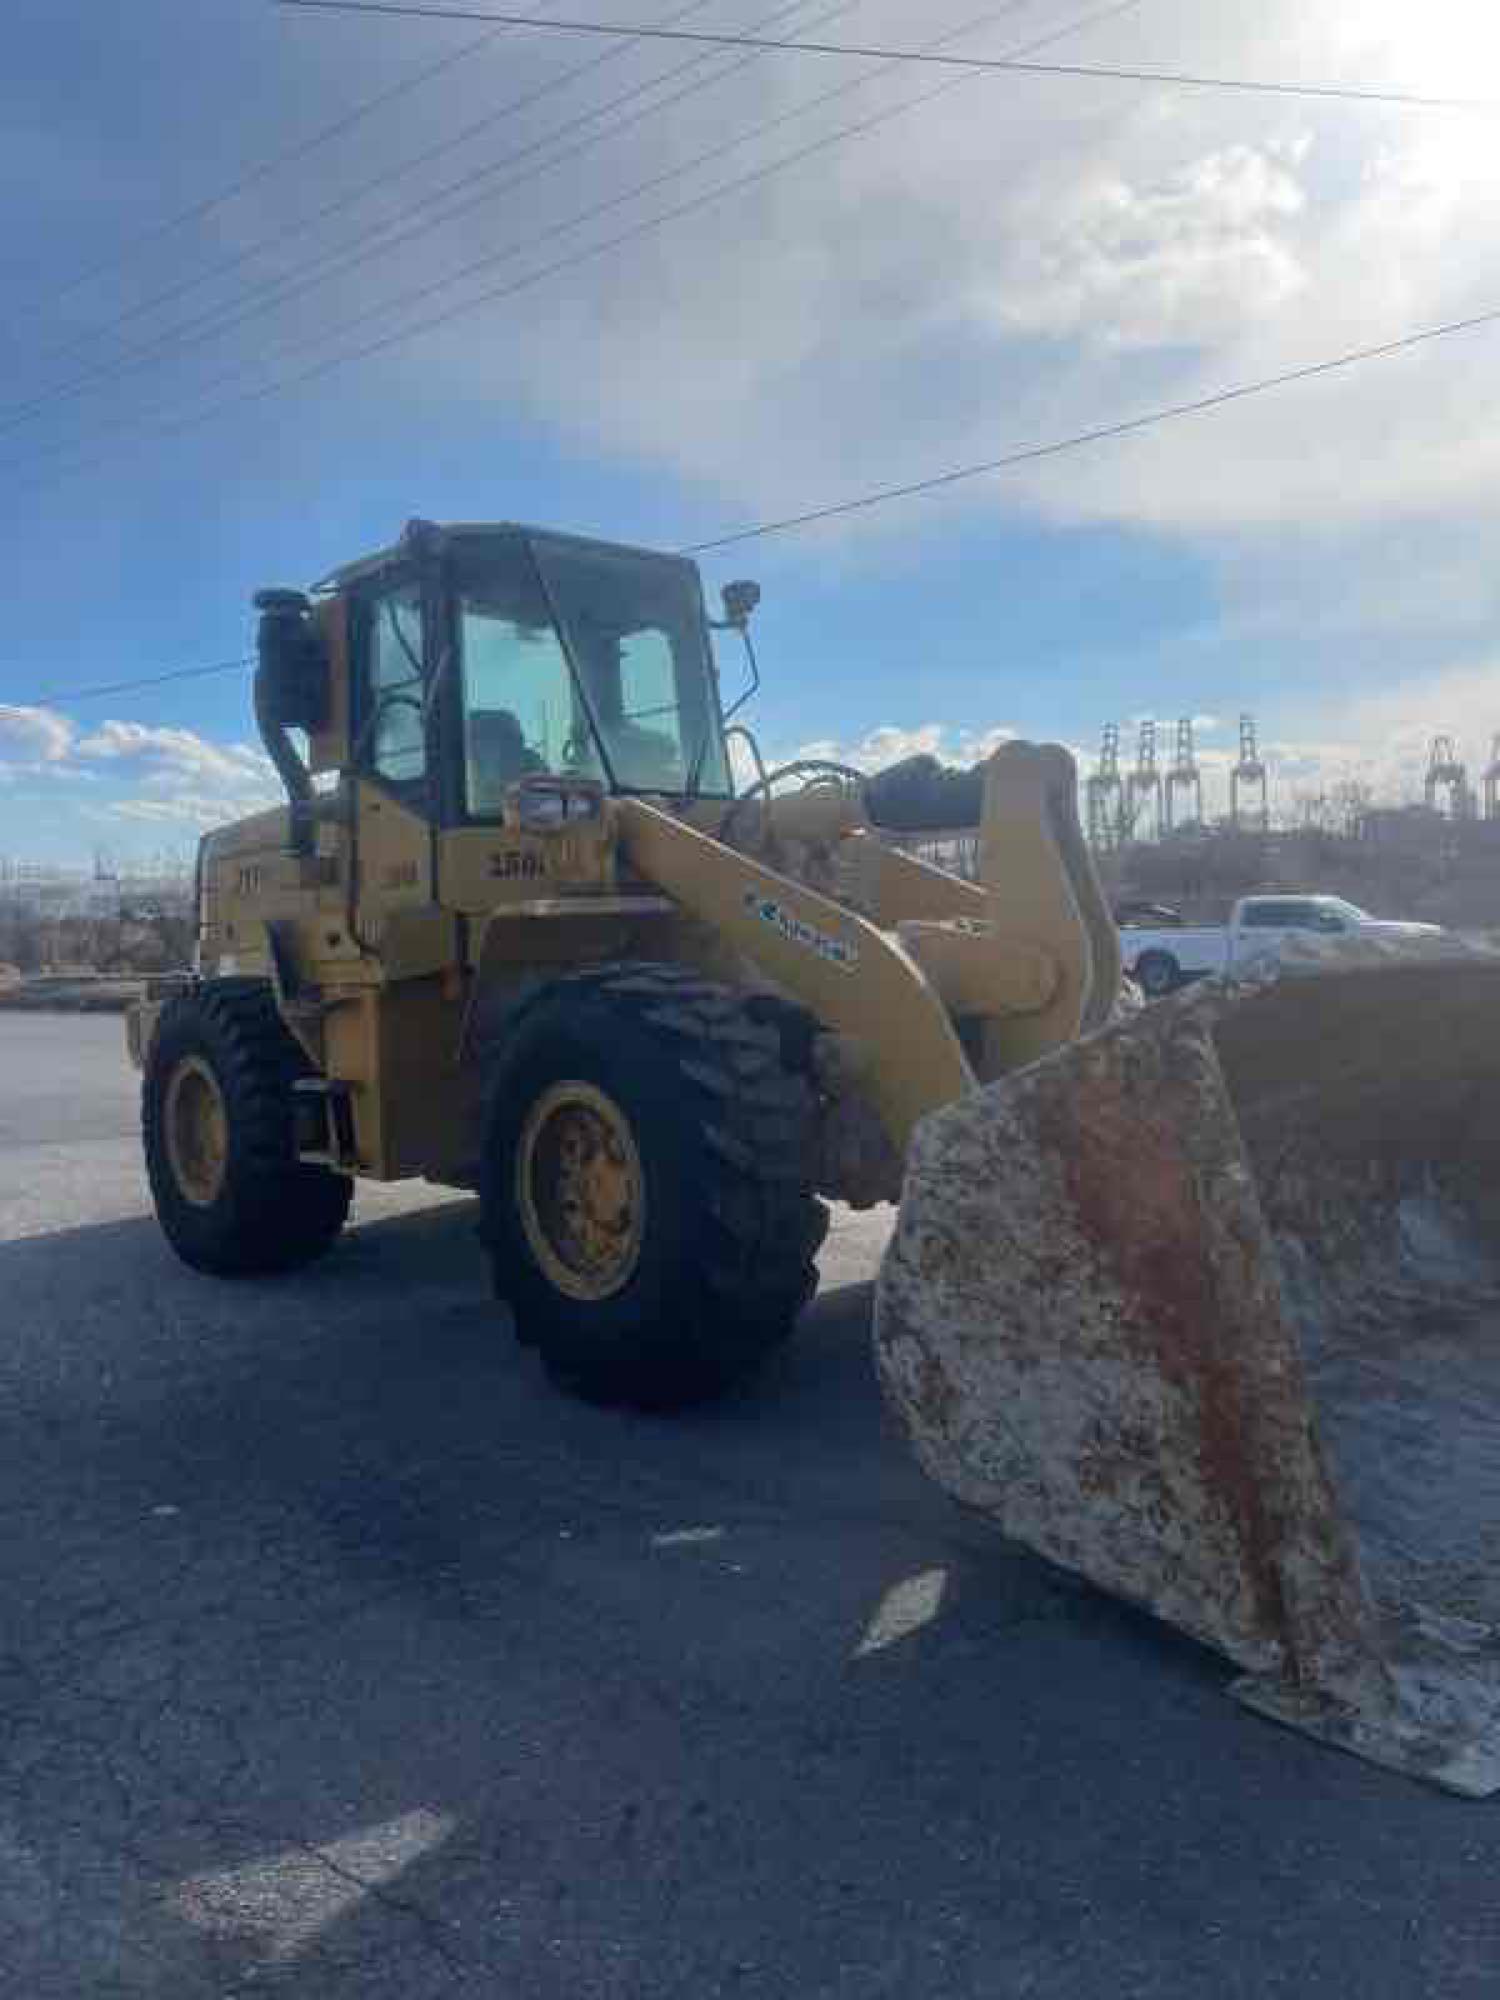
(1206,1307)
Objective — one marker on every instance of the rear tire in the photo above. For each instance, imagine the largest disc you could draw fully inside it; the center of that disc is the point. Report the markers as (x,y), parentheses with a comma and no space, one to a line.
(645,1189)
(217,1119)
(1157,974)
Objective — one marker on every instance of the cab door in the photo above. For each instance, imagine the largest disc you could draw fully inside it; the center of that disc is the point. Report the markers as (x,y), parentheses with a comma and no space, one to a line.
(397,1045)
(394,835)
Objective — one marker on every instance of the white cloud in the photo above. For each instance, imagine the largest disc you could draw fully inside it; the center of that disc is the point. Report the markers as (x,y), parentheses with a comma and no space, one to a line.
(190,808)
(171,756)
(1184,261)
(1385,738)
(177,777)
(1020,260)
(886,744)
(1016,260)
(33,737)
(136,772)
(1010,260)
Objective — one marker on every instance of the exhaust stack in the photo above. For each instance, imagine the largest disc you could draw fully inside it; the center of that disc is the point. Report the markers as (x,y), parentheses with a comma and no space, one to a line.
(291,692)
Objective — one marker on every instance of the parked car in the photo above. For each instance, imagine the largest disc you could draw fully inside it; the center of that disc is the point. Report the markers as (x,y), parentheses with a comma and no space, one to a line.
(1161,958)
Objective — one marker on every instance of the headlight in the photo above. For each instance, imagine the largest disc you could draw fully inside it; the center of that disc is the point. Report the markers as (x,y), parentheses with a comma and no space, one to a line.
(542,803)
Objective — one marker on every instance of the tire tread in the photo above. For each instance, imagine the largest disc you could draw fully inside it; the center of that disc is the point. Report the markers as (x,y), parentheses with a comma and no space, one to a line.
(754,1268)
(278,1212)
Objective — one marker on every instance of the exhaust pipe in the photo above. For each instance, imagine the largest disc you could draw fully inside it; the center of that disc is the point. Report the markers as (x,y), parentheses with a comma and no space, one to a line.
(1206,1307)
(291,692)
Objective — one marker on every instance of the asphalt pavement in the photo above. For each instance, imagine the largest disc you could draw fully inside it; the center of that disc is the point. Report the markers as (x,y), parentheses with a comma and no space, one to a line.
(341,1656)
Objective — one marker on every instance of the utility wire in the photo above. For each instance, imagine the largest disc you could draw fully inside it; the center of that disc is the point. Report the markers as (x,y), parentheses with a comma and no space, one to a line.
(1054,447)
(1074,27)
(956,475)
(283,289)
(69,695)
(380,313)
(261,171)
(1351,93)
(884,495)
(288,232)
(388,235)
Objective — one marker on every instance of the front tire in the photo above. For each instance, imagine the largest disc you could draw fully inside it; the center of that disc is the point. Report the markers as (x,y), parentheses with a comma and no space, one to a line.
(645,1188)
(217,1120)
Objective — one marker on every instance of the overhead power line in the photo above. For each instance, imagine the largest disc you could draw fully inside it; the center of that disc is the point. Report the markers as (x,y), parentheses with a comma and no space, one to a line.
(1181,79)
(955,475)
(162,424)
(261,171)
(287,232)
(1054,447)
(65,697)
(324,266)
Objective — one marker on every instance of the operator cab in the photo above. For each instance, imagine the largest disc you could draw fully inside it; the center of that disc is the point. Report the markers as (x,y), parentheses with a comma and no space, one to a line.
(482,655)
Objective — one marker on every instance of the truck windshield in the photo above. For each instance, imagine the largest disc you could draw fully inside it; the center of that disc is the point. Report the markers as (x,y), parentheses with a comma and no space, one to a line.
(624,692)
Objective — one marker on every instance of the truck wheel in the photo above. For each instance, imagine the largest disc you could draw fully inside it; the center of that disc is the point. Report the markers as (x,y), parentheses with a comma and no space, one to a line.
(217,1119)
(1157,973)
(645,1189)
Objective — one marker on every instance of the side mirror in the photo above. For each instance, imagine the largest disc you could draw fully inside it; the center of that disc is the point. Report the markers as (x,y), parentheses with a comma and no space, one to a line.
(740,599)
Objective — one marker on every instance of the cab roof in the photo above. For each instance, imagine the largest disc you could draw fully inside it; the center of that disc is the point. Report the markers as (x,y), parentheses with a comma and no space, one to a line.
(400,551)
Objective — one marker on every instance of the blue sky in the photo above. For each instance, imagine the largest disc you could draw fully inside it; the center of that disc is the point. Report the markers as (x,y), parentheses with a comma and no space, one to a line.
(1018,259)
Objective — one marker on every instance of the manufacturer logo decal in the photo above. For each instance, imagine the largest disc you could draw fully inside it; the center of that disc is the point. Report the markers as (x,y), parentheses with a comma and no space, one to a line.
(842,952)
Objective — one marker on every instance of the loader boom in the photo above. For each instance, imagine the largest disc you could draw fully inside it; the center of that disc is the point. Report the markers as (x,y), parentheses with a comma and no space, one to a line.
(1030,955)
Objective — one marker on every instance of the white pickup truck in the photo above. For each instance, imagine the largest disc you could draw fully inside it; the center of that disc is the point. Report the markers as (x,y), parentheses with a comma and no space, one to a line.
(1160,958)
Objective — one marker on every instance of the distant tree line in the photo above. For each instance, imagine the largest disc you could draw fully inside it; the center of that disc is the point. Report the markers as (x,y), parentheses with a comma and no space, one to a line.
(154,941)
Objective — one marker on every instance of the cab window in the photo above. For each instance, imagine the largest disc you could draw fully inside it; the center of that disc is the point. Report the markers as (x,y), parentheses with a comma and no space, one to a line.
(648,679)
(636,629)
(519,707)
(391,694)
(581,661)
(521,712)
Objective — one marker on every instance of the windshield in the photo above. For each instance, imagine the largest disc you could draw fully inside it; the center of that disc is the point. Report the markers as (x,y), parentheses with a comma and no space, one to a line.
(1350,912)
(625,693)
(635,628)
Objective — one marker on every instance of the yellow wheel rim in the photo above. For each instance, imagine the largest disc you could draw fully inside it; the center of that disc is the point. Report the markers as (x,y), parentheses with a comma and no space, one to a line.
(582,1192)
(197,1129)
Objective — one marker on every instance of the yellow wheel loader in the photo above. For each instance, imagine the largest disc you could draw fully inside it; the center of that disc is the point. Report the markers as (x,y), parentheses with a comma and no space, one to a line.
(516,930)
